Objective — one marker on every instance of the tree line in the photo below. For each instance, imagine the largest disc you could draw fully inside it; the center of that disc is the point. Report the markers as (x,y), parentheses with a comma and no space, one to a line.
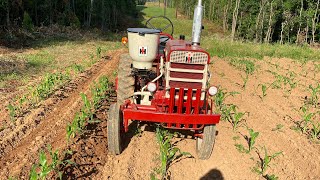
(268,21)
(80,13)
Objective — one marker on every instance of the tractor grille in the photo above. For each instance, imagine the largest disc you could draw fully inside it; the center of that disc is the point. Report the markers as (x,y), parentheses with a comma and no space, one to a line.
(186,75)
(189,57)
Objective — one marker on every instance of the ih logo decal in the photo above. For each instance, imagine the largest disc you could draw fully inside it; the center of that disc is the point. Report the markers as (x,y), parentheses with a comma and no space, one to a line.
(143,51)
(189,57)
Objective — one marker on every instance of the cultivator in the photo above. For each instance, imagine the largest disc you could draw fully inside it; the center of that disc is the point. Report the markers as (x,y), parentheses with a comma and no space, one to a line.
(165,81)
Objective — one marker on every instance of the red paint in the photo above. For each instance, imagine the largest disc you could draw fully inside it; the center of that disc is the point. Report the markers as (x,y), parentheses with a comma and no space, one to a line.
(182,45)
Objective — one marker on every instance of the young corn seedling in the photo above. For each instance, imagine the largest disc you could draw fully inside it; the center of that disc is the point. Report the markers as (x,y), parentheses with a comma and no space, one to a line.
(221,96)
(236,119)
(315,92)
(315,131)
(264,163)
(306,119)
(249,69)
(44,168)
(252,139)
(12,112)
(98,52)
(226,112)
(168,152)
(87,109)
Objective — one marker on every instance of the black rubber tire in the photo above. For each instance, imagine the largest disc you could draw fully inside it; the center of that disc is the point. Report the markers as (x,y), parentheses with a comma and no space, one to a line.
(205,145)
(124,92)
(114,136)
(125,79)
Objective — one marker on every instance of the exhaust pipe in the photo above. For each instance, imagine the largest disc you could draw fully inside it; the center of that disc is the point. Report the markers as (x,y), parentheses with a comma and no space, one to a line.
(197,24)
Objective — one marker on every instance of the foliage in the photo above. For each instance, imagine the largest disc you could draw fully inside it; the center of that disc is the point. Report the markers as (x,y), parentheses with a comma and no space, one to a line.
(27,22)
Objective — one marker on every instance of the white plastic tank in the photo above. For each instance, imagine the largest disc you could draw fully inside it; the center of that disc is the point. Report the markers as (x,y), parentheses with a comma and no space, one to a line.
(143,46)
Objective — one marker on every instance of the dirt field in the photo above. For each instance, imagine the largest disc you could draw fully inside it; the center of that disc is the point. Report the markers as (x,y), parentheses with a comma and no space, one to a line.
(21,143)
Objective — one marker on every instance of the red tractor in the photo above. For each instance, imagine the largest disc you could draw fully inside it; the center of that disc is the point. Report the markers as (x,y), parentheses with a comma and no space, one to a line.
(165,81)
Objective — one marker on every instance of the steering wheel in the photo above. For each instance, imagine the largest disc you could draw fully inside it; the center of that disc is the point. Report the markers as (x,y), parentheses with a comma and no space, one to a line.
(163,24)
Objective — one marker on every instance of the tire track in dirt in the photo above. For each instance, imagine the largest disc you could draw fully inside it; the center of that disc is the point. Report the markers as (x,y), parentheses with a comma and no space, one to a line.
(50,127)
(137,161)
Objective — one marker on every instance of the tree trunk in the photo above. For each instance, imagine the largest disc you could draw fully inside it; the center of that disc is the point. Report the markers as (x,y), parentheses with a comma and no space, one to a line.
(307,31)
(234,19)
(268,35)
(314,22)
(90,13)
(258,20)
(8,13)
(298,34)
(281,36)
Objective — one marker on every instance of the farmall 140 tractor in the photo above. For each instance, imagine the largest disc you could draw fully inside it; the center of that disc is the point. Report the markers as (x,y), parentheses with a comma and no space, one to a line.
(165,81)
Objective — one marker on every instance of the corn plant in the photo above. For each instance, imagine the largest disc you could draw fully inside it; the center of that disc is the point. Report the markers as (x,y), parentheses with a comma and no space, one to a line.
(236,119)
(264,163)
(98,51)
(315,131)
(43,168)
(315,92)
(249,69)
(78,68)
(12,112)
(100,91)
(306,119)
(252,138)
(168,152)
(220,98)
(226,112)
(87,109)
(271,177)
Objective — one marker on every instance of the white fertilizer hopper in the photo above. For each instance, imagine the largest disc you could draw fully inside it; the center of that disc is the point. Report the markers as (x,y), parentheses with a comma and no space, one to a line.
(143,46)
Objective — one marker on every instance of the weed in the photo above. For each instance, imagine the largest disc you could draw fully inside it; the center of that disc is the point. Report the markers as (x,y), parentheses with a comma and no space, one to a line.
(168,152)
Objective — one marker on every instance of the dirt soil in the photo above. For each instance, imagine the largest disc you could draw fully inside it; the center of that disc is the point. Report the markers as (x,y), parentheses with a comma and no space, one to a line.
(20,144)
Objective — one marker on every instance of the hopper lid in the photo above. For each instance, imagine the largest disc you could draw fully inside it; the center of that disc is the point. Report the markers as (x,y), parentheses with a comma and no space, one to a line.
(144,30)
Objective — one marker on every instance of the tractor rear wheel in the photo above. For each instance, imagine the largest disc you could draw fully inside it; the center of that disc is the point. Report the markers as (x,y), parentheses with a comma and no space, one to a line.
(114,128)
(205,144)
(125,79)
(125,91)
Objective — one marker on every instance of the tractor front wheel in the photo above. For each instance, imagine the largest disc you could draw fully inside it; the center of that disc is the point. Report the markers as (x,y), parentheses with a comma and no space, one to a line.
(205,144)
(114,128)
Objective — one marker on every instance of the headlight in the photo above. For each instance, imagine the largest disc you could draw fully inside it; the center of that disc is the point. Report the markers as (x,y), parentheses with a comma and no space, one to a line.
(152,87)
(213,90)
